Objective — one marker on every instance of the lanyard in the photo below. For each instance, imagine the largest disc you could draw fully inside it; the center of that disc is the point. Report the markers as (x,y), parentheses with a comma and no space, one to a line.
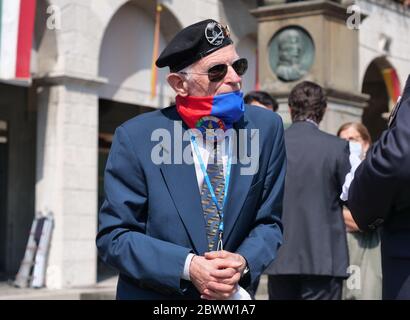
(211,189)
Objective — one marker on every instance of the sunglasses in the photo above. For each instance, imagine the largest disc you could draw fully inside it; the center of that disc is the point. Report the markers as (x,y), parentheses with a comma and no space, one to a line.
(219,71)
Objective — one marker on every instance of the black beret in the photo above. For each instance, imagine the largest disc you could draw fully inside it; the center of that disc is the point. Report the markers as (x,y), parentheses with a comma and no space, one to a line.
(193,43)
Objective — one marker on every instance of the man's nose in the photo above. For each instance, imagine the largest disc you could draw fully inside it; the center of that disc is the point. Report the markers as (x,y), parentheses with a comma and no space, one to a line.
(232,76)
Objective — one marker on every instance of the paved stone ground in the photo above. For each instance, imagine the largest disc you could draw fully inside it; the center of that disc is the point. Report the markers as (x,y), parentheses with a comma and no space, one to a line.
(102,291)
(262,293)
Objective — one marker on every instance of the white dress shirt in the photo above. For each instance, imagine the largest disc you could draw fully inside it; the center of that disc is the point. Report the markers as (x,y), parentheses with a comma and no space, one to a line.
(205,150)
(355,159)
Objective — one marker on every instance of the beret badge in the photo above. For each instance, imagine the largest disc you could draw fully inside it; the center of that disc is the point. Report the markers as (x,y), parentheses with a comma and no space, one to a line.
(215,33)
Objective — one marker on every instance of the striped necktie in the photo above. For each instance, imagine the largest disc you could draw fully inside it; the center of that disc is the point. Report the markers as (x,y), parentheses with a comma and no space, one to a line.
(212,218)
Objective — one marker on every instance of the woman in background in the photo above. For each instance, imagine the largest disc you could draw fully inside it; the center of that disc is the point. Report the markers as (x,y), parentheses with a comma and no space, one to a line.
(365,281)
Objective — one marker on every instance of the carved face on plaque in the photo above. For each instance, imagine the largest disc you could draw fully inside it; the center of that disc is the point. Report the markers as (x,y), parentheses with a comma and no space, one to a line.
(291,53)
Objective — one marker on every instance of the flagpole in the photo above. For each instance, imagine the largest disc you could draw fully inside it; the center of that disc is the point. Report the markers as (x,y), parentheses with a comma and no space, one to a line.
(155,51)
(257,85)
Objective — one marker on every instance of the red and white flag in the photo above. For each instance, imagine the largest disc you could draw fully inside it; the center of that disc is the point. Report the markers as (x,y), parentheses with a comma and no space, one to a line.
(16,36)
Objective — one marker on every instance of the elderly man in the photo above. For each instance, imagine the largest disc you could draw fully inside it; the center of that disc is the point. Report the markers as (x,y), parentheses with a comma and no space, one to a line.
(261,99)
(205,228)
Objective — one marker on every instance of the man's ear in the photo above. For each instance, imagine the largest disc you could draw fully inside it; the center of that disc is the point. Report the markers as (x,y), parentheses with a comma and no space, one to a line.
(178,83)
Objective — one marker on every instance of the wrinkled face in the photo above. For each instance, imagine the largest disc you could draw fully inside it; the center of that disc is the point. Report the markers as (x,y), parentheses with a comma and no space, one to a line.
(199,84)
(351,134)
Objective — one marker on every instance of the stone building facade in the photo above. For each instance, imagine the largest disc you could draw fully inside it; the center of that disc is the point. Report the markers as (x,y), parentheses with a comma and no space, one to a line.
(91,69)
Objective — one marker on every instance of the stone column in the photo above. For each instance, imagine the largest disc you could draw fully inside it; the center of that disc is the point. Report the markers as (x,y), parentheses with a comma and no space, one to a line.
(67,150)
(334,51)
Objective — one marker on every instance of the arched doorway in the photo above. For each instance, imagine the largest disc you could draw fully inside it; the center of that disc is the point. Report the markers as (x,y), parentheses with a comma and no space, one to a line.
(375,84)
(3,195)
(126,55)
(17,174)
(125,62)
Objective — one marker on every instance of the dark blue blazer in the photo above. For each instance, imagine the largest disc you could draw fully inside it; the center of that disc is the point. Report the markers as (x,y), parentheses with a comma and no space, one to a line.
(314,235)
(380,195)
(152,215)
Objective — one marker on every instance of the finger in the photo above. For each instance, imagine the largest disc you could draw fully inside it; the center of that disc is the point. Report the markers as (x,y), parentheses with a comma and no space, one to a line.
(205,297)
(223,273)
(221,288)
(227,263)
(216,295)
(216,254)
(232,280)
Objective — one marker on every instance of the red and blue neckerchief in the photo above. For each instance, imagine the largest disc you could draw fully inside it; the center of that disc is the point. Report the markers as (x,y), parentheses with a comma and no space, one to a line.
(200,112)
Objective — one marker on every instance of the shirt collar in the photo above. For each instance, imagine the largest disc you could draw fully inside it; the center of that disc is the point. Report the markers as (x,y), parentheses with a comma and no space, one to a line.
(312,122)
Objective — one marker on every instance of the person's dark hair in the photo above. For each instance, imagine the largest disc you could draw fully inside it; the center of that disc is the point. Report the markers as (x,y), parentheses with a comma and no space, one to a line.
(263,98)
(364,133)
(307,101)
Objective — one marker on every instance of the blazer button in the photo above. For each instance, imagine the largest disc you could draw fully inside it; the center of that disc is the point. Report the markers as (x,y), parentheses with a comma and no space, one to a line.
(376,223)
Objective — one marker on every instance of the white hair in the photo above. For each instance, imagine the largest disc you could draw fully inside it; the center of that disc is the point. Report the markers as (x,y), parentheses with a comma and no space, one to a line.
(186,72)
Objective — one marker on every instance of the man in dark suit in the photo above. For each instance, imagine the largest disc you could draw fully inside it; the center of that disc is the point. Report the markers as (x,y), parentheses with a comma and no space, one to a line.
(261,99)
(380,195)
(164,223)
(313,260)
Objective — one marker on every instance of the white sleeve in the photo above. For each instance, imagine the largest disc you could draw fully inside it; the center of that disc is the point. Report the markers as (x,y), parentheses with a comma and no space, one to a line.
(240,294)
(188,260)
(354,158)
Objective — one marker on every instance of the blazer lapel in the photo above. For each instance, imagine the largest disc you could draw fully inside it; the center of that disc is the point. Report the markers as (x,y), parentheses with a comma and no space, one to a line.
(182,184)
(239,183)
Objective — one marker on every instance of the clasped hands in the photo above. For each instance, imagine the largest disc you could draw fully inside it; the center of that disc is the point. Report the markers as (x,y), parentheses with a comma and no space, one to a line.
(217,273)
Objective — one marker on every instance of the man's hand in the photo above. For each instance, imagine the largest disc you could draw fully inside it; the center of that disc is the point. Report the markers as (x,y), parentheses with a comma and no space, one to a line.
(351,225)
(215,278)
(224,277)
(226,255)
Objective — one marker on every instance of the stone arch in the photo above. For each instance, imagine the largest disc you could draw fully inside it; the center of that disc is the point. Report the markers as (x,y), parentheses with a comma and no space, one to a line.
(168,18)
(125,60)
(375,116)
